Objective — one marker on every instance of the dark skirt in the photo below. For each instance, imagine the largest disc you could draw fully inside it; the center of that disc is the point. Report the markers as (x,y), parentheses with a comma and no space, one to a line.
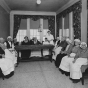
(58,59)
(25,54)
(9,75)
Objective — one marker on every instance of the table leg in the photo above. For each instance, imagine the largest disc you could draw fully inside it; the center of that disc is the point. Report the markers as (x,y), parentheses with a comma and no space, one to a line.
(50,50)
(42,52)
(18,58)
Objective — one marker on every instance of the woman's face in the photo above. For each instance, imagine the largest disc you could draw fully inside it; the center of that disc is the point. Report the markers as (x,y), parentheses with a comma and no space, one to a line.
(83,46)
(77,43)
(48,32)
(9,39)
(26,38)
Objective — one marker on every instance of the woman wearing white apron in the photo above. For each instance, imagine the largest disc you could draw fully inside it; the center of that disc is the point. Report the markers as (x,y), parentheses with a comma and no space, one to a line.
(80,59)
(66,60)
(6,64)
(46,51)
(67,51)
(60,48)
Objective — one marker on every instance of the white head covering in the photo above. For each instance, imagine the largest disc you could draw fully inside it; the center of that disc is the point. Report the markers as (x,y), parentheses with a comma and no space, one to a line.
(9,37)
(77,40)
(68,40)
(83,43)
(58,38)
(49,31)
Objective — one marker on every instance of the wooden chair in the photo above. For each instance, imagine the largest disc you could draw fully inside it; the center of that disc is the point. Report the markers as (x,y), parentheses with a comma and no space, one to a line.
(84,70)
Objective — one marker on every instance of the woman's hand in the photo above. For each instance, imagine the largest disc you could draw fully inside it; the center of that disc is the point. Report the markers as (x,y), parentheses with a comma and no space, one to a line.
(74,61)
(68,55)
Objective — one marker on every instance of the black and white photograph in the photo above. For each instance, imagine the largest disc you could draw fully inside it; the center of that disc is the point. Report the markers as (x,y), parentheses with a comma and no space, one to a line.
(43,43)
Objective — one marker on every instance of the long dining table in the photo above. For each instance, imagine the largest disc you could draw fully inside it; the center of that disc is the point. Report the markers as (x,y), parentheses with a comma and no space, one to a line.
(50,47)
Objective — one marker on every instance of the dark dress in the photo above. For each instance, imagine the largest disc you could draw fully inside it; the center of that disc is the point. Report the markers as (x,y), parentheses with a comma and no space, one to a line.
(1,52)
(63,44)
(25,54)
(8,45)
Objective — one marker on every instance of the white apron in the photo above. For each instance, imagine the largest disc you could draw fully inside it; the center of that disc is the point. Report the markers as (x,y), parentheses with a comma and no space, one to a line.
(56,52)
(11,56)
(6,66)
(75,68)
(65,62)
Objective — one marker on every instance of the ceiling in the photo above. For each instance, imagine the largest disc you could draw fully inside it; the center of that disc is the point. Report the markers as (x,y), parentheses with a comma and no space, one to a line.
(30,5)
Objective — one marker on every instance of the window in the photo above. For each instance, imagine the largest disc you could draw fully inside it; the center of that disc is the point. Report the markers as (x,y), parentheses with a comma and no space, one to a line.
(44,33)
(21,34)
(34,33)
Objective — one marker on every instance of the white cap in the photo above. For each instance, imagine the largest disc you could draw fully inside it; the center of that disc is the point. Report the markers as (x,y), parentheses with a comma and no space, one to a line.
(77,40)
(83,43)
(9,37)
(48,31)
(68,40)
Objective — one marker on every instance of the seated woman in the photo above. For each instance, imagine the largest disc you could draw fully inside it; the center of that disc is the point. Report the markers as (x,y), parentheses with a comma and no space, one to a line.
(57,42)
(8,43)
(46,42)
(80,59)
(6,63)
(34,41)
(10,46)
(10,54)
(25,54)
(62,45)
(15,42)
(67,51)
(66,60)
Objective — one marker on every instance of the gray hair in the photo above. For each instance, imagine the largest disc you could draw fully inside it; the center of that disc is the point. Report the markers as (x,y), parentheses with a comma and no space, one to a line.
(1,40)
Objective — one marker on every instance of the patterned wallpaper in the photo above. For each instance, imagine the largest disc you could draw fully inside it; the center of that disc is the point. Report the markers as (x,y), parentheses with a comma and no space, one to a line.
(76,9)
(87,22)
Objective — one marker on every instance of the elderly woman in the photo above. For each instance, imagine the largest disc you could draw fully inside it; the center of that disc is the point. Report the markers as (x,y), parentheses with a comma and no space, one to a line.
(8,53)
(64,53)
(6,64)
(61,47)
(57,42)
(80,59)
(46,51)
(25,54)
(8,43)
(66,60)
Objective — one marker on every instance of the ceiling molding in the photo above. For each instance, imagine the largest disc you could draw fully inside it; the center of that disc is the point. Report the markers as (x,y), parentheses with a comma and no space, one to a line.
(5,6)
(70,3)
(32,13)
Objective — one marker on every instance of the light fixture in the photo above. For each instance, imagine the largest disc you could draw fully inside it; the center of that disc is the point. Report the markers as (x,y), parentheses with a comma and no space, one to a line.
(38,2)
(39,28)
